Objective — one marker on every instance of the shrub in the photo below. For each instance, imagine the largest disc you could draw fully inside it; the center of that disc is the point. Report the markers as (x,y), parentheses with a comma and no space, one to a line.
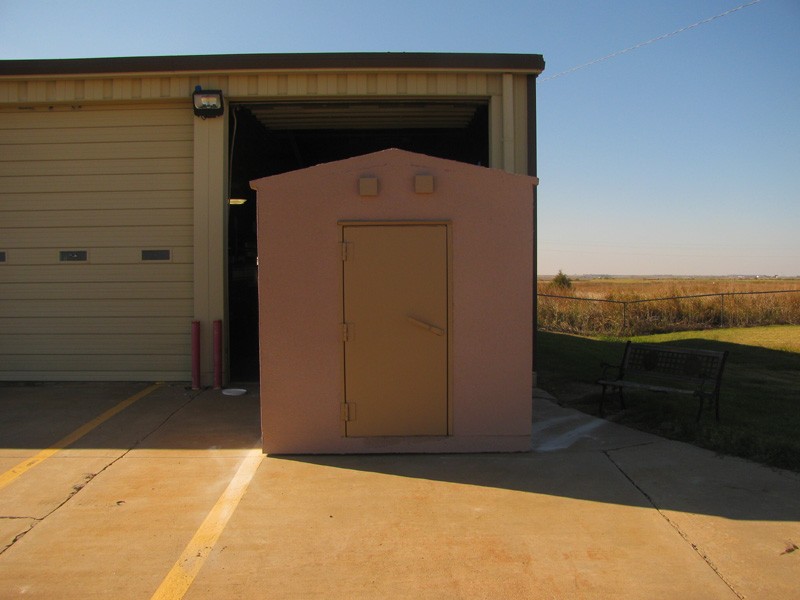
(561,281)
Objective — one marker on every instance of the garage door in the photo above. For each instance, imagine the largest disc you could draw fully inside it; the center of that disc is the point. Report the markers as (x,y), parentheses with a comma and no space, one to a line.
(96,229)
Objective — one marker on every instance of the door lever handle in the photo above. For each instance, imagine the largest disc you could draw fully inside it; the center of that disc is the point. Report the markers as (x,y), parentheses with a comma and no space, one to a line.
(426,326)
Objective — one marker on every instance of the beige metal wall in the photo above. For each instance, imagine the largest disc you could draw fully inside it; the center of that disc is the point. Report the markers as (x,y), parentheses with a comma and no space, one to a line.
(112,180)
(506,93)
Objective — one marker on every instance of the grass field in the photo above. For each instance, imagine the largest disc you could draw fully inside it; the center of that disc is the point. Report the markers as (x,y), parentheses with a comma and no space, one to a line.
(646,306)
(760,397)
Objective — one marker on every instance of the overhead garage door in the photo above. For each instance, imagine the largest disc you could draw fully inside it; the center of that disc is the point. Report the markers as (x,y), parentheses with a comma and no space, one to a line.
(96,243)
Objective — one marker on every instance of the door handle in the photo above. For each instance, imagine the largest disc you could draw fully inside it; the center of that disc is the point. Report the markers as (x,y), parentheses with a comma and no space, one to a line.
(426,326)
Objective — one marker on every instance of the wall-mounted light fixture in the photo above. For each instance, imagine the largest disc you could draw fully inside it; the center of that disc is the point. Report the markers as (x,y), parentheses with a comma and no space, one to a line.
(207,103)
(236,201)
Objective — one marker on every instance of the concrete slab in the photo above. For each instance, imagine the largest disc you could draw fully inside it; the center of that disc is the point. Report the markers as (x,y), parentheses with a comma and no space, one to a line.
(594,510)
(120,535)
(477,526)
(58,413)
(107,516)
(742,518)
(36,415)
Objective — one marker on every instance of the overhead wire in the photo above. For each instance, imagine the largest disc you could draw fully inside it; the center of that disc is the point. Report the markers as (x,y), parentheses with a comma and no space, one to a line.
(650,41)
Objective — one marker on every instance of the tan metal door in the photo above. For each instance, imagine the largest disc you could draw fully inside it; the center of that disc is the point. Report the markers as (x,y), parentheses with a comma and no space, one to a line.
(395,313)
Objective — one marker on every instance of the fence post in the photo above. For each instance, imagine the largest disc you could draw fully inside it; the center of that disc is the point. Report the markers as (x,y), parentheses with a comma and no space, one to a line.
(624,318)
(722,311)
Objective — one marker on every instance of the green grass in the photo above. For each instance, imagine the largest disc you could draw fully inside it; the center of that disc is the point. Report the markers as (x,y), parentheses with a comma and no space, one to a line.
(760,397)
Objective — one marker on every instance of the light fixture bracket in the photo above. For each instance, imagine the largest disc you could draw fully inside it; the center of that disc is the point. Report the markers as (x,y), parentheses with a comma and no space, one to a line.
(207,103)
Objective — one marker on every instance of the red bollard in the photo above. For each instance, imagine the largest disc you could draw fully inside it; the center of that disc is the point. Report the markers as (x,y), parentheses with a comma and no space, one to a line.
(195,355)
(217,355)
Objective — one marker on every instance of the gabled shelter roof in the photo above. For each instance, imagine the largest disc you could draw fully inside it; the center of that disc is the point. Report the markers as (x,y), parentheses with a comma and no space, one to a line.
(392,156)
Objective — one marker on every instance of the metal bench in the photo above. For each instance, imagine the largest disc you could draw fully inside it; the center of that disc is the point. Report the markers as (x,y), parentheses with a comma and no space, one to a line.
(669,369)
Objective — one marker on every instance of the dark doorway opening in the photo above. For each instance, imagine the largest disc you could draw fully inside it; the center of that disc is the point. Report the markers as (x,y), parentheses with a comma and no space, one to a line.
(277,137)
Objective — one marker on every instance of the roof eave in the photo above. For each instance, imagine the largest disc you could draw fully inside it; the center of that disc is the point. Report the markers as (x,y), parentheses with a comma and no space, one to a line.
(228,63)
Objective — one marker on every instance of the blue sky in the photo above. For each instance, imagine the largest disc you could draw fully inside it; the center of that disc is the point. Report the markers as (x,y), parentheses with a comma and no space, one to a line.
(680,157)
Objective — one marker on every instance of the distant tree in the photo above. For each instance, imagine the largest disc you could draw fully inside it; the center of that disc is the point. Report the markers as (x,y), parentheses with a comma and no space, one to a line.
(561,281)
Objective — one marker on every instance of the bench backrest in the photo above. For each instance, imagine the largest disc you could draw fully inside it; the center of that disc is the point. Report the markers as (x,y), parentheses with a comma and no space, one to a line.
(670,362)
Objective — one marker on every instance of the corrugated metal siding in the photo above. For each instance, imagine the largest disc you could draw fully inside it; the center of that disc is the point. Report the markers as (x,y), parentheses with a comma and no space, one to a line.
(111,180)
(262,85)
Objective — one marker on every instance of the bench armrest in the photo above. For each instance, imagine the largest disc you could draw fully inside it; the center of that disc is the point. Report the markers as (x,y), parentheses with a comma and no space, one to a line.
(707,387)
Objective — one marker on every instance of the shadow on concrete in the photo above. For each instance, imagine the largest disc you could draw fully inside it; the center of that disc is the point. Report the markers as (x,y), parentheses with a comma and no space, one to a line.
(669,476)
(173,417)
(603,462)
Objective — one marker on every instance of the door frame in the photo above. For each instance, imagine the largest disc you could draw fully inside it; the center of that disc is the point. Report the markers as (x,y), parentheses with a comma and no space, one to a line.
(448,225)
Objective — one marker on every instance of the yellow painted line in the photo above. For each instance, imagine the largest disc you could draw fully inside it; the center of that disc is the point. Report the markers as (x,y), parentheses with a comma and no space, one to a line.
(28,464)
(184,571)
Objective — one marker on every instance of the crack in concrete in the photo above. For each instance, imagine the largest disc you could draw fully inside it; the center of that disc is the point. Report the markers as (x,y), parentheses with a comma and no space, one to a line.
(89,477)
(675,526)
(627,447)
(20,535)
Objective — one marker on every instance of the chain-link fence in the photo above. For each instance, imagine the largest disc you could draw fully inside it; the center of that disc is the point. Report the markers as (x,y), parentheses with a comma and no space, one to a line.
(595,316)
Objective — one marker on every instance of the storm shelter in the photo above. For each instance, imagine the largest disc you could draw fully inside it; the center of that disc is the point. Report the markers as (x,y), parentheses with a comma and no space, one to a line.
(395,302)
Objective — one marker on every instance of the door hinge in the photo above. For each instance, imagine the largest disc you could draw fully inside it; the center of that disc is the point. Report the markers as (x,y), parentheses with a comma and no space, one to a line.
(347,332)
(347,250)
(349,411)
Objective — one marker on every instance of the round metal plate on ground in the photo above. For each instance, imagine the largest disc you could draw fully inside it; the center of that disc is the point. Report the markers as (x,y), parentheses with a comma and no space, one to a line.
(234,391)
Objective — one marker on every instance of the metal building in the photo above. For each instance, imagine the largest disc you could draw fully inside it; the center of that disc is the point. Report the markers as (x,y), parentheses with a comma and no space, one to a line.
(119,221)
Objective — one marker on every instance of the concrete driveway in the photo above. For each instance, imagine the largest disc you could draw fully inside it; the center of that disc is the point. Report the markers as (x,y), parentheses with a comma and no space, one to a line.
(137,491)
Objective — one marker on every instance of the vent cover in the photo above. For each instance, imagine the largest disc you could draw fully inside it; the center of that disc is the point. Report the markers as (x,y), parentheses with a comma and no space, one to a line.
(156,254)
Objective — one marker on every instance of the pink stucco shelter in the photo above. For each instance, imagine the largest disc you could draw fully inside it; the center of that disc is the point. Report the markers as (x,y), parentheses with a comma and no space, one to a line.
(315,227)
